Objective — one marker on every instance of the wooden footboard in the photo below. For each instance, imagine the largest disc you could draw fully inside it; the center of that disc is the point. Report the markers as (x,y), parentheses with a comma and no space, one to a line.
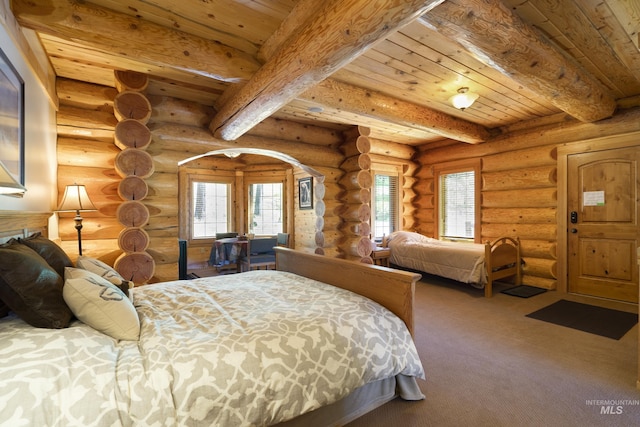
(502,259)
(394,289)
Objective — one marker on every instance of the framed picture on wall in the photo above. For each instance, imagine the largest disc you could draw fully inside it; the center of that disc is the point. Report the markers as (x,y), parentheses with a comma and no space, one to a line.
(305,193)
(11,119)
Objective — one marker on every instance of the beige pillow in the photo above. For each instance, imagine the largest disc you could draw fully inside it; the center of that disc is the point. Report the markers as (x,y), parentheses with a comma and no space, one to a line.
(100,268)
(100,304)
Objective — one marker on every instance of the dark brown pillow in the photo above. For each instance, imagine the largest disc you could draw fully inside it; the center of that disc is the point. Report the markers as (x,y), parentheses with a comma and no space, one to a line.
(47,249)
(4,309)
(31,288)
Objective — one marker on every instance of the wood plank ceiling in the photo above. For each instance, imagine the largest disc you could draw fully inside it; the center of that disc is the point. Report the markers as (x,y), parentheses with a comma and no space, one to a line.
(390,65)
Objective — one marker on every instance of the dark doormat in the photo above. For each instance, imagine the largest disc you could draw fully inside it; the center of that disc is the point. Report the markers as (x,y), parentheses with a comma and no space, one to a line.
(588,318)
(523,291)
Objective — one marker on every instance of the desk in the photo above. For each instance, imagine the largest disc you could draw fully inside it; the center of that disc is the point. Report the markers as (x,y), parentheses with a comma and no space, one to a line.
(226,252)
(381,256)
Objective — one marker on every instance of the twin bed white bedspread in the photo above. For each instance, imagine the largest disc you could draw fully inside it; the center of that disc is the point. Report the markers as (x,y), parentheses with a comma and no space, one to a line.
(463,262)
(248,349)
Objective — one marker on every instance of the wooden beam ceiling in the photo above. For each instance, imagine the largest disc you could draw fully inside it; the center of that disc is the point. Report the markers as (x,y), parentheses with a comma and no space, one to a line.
(345,97)
(134,38)
(338,32)
(311,44)
(500,39)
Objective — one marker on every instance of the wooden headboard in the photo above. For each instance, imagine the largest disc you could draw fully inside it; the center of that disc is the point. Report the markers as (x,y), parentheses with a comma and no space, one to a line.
(394,289)
(22,224)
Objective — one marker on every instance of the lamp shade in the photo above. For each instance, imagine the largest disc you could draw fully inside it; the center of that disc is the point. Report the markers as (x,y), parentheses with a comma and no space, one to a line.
(76,199)
(8,184)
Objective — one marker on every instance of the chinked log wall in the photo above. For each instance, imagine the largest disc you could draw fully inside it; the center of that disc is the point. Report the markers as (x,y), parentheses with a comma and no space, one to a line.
(519,187)
(88,145)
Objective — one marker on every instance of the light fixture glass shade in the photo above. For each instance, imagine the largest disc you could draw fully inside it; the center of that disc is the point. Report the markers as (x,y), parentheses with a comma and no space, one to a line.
(463,99)
(76,199)
(8,184)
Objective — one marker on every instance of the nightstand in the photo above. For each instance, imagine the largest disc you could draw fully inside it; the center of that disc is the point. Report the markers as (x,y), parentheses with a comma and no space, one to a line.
(381,256)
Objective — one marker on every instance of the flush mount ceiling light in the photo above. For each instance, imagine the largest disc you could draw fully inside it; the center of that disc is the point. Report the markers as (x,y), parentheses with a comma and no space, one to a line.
(463,99)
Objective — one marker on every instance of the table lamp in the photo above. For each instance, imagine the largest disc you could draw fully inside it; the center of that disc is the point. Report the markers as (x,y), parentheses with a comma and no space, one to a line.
(76,199)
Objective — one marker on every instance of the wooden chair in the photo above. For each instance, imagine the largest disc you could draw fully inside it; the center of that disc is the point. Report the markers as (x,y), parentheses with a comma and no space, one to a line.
(260,253)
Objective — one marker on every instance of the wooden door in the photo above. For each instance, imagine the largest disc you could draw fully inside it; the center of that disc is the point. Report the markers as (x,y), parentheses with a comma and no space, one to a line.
(602,197)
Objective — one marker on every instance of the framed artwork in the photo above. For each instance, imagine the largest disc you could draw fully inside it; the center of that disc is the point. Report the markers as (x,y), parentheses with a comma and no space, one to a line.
(11,119)
(305,193)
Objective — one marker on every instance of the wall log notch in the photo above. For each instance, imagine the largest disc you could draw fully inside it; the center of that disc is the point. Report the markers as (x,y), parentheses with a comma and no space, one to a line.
(355,209)
(133,239)
(133,187)
(130,133)
(131,105)
(133,164)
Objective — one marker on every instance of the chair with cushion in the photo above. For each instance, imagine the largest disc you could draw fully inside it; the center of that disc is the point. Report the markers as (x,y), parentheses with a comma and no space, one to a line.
(260,253)
(283,239)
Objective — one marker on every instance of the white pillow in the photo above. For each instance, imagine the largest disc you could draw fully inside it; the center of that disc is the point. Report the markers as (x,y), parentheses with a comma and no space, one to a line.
(100,304)
(100,268)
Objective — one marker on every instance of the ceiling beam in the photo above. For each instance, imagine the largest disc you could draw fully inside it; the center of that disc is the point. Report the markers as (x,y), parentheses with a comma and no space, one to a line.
(498,37)
(355,100)
(336,34)
(134,38)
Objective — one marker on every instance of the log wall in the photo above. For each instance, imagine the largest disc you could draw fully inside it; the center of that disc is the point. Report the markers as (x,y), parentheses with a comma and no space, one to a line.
(134,165)
(355,203)
(519,188)
(93,135)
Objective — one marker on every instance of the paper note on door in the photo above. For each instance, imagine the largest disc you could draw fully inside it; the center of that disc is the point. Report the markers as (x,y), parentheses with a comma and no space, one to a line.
(593,198)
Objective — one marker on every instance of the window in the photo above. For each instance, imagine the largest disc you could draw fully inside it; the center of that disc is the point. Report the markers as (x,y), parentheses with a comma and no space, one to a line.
(207,200)
(210,208)
(458,199)
(385,203)
(266,203)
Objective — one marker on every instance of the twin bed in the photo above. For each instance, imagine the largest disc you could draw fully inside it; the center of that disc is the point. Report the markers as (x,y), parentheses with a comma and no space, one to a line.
(476,264)
(296,346)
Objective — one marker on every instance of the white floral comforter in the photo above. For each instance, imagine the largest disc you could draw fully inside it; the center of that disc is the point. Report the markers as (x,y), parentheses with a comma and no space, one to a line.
(254,348)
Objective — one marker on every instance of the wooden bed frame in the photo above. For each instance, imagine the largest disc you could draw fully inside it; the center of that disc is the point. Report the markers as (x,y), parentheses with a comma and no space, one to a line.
(502,259)
(393,289)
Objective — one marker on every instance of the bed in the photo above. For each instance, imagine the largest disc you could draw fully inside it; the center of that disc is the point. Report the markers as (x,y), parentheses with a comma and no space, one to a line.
(295,346)
(476,264)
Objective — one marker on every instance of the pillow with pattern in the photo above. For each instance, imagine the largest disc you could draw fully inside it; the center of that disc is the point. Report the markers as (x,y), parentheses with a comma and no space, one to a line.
(100,304)
(100,268)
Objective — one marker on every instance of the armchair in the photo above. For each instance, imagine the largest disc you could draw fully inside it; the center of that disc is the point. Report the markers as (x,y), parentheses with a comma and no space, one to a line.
(260,253)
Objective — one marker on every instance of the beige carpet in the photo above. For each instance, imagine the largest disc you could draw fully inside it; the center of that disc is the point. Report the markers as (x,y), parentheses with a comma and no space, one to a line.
(489,365)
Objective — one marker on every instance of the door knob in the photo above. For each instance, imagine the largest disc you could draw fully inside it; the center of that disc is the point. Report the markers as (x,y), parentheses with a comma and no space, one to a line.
(574,230)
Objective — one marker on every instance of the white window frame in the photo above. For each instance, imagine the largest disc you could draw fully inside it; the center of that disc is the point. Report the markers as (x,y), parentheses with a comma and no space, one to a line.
(187,181)
(389,170)
(471,165)
(265,178)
